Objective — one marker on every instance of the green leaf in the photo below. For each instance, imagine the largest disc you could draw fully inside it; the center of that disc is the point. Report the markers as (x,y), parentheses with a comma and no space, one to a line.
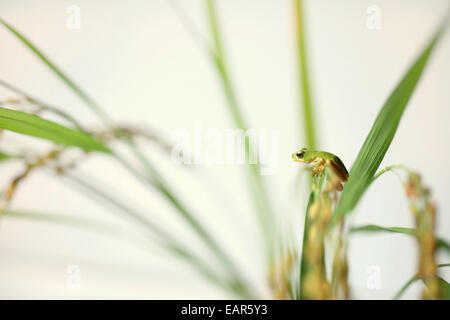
(304,269)
(71,84)
(445,289)
(375,228)
(4,156)
(304,83)
(256,185)
(441,243)
(380,136)
(35,126)
(45,106)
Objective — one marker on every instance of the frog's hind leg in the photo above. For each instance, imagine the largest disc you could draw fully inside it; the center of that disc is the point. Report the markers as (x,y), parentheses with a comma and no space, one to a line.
(339,186)
(339,169)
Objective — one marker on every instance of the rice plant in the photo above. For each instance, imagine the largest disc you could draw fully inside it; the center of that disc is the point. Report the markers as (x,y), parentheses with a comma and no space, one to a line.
(296,268)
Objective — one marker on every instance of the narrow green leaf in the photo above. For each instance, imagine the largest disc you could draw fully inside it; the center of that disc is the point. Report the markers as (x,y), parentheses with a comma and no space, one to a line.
(257,187)
(64,220)
(441,243)
(380,136)
(35,126)
(304,83)
(45,106)
(4,156)
(75,88)
(445,289)
(375,228)
(406,286)
(218,56)
(303,264)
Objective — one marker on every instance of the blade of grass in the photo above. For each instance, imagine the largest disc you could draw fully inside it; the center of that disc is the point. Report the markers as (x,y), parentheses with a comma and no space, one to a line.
(303,261)
(445,288)
(35,126)
(4,156)
(388,169)
(307,115)
(440,243)
(256,185)
(380,136)
(405,286)
(43,105)
(303,81)
(375,228)
(416,277)
(75,88)
(218,56)
(190,26)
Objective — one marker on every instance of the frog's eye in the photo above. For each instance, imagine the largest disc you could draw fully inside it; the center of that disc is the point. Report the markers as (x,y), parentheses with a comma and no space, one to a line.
(300,155)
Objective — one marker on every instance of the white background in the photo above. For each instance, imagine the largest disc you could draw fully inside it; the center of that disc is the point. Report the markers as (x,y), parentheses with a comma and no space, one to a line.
(138,61)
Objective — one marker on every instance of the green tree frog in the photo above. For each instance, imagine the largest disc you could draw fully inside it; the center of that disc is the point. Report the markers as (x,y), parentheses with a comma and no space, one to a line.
(319,160)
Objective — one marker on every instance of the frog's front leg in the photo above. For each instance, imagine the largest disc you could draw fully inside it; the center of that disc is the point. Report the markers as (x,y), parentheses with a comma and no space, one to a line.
(318,166)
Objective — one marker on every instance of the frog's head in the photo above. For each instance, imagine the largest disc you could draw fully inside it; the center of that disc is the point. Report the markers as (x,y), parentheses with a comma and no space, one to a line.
(301,156)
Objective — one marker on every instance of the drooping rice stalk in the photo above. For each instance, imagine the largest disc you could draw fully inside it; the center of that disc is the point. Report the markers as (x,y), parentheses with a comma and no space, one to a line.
(151,178)
(424,212)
